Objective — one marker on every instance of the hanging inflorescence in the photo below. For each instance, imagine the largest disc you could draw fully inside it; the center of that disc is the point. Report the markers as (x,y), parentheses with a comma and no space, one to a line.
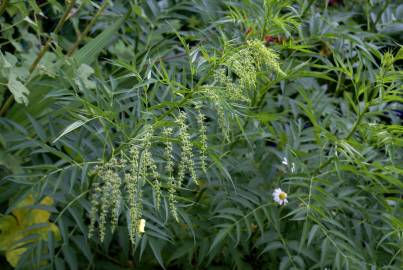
(187,161)
(169,168)
(107,196)
(134,191)
(203,137)
(149,165)
(121,179)
(237,75)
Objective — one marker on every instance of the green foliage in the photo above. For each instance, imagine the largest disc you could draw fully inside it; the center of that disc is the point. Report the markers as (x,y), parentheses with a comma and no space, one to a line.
(182,117)
(25,225)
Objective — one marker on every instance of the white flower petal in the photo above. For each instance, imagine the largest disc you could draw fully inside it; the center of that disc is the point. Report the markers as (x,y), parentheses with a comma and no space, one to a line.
(276,196)
(142,225)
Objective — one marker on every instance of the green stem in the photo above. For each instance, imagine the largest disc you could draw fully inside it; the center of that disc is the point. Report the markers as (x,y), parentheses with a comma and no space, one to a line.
(351,133)
(380,13)
(40,55)
(357,123)
(87,28)
(306,9)
(339,81)
(180,104)
(264,24)
(6,105)
(3,6)
(323,165)
(58,27)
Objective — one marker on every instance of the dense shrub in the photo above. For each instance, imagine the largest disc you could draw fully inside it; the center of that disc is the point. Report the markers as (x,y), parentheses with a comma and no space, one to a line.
(201,134)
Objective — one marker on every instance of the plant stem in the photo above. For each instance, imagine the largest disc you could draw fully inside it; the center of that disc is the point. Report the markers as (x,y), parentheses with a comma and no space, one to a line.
(357,123)
(378,17)
(3,6)
(40,55)
(58,27)
(351,133)
(306,9)
(6,105)
(87,28)
(264,23)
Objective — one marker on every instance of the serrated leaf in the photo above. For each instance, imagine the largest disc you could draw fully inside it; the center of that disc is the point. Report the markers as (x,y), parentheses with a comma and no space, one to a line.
(82,78)
(19,91)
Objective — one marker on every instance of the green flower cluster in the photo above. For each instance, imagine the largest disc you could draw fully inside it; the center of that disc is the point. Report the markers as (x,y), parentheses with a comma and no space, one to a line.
(134,170)
(169,168)
(203,137)
(134,191)
(106,196)
(186,161)
(245,63)
(264,56)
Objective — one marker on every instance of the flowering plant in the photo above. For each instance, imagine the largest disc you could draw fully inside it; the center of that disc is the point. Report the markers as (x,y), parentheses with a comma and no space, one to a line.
(157,134)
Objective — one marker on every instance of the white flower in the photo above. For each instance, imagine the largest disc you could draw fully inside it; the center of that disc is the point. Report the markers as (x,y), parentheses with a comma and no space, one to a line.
(280,196)
(142,224)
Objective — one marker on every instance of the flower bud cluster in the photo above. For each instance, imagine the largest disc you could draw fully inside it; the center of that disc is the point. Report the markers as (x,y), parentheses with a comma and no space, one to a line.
(245,63)
(226,88)
(134,192)
(264,56)
(187,161)
(169,168)
(120,181)
(203,137)
(149,166)
(106,196)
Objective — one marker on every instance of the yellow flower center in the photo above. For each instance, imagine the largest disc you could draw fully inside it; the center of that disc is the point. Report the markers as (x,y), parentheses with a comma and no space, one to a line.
(282,195)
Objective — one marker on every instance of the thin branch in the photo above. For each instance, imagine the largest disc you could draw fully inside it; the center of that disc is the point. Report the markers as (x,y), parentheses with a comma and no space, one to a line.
(3,6)
(87,29)
(350,134)
(379,16)
(59,26)
(40,55)
(307,8)
(6,105)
